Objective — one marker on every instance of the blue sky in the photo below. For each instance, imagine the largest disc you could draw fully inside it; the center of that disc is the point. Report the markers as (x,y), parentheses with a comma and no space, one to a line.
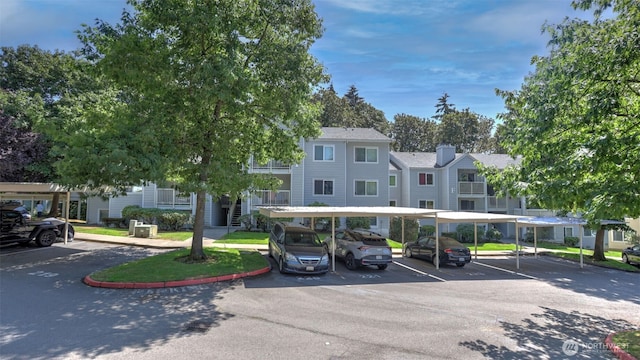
(401,55)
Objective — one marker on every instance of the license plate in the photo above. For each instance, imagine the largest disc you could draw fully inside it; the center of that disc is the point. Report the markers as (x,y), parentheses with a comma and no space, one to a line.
(378,257)
(310,268)
(461,259)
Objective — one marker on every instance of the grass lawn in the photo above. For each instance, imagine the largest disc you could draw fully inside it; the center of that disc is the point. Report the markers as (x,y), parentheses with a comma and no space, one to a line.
(629,341)
(614,264)
(245,237)
(169,267)
(101,230)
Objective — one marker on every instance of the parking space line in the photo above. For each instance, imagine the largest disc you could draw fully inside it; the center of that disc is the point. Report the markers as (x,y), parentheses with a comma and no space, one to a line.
(419,272)
(507,271)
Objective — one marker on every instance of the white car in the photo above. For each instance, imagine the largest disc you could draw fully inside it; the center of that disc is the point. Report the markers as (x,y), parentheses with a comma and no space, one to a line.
(360,247)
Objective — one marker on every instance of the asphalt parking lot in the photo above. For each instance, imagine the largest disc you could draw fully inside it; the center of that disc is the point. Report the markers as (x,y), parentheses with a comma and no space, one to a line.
(488,309)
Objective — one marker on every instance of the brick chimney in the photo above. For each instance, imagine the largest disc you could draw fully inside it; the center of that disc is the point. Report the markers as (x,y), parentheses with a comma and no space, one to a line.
(445,153)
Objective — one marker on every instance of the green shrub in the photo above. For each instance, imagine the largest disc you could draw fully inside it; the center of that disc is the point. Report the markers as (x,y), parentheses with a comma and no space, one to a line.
(427,230)
(571,241)
(166,219)
(358,222)
(465,233)
(493,234)
(246,221)
(411,229)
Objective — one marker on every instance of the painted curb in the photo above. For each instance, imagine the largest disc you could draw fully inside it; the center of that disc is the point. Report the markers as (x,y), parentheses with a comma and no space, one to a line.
(188,282)
(616,350)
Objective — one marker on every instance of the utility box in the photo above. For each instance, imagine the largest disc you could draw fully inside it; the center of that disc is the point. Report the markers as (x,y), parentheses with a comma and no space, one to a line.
(132,226)
(146,231)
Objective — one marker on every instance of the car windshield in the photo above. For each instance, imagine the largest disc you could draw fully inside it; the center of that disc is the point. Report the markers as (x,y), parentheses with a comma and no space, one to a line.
(302,239)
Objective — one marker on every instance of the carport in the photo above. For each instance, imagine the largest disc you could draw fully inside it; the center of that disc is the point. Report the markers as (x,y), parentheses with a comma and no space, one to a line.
(36,191)
(552,221)
(347,211)
(475,218)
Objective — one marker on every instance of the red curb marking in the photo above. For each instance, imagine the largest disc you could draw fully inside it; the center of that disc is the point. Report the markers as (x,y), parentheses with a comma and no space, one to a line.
(154,285)
(616,350)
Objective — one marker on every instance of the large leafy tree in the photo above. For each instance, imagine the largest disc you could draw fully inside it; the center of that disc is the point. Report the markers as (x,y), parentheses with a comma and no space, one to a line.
(196,89)
(576,119)
(413,134)
(35,85)
(351,110)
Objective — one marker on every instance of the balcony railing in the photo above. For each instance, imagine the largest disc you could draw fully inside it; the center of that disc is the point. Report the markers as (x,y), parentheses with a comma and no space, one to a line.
(271,165)
(496,202)
(471,188)
(270,198)
(171,198)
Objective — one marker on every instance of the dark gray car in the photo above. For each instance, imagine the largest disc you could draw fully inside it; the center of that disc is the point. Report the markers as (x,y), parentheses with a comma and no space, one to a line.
(297,249)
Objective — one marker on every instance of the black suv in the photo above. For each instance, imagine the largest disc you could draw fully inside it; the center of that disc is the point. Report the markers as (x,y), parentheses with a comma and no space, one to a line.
(16,229)
(297,249)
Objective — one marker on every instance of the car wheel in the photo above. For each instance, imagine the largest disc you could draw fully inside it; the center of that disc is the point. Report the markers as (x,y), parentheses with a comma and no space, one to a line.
(350,262)
(281,265)
(382,266)
(625,259)
(460,264)
(46,238)
(407,252)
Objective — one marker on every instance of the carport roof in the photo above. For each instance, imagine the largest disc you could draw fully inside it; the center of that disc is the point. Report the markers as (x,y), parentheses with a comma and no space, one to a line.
(18,187)
(326,211)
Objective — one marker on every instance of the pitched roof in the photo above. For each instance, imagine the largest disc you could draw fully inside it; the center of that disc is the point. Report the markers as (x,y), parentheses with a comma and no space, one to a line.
(428,159)
(341,133)
(414,159)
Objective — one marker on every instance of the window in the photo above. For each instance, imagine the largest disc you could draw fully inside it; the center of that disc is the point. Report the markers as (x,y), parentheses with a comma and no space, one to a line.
(568,231)
(392,180)
(373,222)
(426,204)
(425,179)
(392,203)
(323,152)
(366,154)
(366,188)
(618,235)
(134,189)
(322,187)
(588,232)
(467,205)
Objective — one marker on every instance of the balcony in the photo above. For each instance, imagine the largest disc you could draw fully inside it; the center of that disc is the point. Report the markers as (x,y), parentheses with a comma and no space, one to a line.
(471,188)
(271,166)
(271,198)
(494,202)
(170,198)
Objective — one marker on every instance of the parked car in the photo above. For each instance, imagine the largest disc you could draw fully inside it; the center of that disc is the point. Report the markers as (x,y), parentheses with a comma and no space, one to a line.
(360,247)
(17,206)
(25,213)
(71,232)
(297,249)
(16,229)
(451,250)
(631,255)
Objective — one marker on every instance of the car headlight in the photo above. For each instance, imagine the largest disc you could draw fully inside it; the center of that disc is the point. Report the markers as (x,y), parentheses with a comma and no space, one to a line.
(290,257)
(324,260)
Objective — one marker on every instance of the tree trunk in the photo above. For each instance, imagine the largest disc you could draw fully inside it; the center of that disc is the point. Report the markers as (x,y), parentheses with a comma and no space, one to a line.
(598,249)
(197,250)
(53,212)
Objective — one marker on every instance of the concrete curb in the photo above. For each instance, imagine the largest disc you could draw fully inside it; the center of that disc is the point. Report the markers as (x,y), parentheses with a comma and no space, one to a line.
(164,284)
(616,350)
